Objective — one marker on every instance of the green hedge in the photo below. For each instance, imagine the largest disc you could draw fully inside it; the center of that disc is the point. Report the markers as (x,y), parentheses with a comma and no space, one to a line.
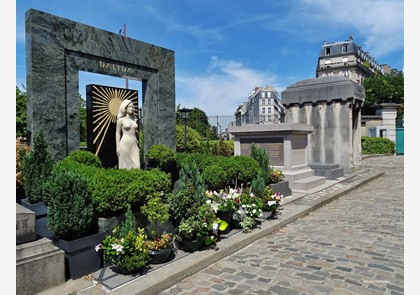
(112,189)
(377,145)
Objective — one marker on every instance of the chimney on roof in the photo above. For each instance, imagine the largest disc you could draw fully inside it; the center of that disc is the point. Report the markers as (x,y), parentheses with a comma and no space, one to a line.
(350,38)
(325,42)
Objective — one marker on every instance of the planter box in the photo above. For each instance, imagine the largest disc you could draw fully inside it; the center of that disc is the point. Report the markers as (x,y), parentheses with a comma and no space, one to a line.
(80,255)
(281,187)
(41,218)
(40,208)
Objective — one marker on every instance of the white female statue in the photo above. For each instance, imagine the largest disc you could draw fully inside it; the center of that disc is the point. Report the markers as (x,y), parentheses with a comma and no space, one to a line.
(127,148)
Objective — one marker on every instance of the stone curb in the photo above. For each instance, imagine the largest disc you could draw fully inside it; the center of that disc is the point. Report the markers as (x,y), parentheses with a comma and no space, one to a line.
(171,274)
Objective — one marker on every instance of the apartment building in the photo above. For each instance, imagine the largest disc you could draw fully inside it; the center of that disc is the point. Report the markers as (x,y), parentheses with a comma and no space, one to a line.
(347,59)
(263,107)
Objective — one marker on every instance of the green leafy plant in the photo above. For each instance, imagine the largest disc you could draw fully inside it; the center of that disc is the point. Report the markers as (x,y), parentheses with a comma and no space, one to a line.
(197,226)
(36,168)
(261,156)
(162,157)
(70,205)
(85,157)
(271,201)
(248,207)
(126,247)
(157,212)
(377,145)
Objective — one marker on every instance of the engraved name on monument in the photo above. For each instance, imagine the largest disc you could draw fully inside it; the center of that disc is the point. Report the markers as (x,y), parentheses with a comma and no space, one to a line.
(273,147)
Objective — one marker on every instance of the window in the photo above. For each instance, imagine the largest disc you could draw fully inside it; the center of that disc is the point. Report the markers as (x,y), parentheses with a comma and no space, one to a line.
(269,110)
(328,51)
(263,101)
(268,94)
(263,94)
(346,74)
(344,48)
(263,110)
(269,118)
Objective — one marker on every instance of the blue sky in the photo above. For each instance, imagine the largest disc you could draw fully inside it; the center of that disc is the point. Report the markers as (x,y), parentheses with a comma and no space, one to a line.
(223,49)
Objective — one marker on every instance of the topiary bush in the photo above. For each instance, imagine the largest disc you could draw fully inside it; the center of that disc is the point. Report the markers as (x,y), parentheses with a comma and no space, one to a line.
(70,205)
(36,168)
(377,145)
(162,157)
(193,140)
(216,178)
(113,189)
(85,157)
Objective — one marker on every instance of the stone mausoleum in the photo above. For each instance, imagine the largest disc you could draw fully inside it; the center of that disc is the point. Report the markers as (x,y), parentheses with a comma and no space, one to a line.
(332,105)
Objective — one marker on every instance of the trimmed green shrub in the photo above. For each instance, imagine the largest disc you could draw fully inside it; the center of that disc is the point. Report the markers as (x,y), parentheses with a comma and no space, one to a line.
(162,157)
(113,189)
(222,148)
(244,169)
(377,145)
(36,168)
(85,157)
(70,205)
(215,177)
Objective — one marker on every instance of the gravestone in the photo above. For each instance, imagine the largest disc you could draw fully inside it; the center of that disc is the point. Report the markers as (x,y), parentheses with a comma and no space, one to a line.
(39,264)
(25,225)
(58,48)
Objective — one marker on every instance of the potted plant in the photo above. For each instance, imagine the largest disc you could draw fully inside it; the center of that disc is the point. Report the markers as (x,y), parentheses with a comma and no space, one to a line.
(72,221)
(158,242)
(223,204)
(270,203)
(36,167)
(248,207)
(125,248)
(198,230)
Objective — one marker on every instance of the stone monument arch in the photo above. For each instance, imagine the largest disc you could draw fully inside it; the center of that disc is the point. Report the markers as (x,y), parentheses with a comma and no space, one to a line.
(58,48)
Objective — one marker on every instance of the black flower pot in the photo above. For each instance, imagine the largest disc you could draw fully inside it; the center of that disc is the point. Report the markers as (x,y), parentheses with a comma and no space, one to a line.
(227,217)
(187,245)
(157,257)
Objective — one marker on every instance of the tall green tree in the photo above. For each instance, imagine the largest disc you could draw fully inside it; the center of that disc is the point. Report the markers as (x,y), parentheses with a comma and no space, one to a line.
(21,114)
(384,89)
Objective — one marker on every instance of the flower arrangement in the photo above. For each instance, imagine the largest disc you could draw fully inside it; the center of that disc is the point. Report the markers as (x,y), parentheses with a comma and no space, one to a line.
(197,226)
(126,247)
(222,201)
(160,243)
(271,201)
(248,207)
(276,176)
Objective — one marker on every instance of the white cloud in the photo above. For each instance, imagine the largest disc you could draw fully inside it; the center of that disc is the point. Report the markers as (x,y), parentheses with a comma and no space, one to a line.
(222,88)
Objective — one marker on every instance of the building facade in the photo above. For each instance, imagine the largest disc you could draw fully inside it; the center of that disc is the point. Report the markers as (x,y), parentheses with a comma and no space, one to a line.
(263,107)
(347,59)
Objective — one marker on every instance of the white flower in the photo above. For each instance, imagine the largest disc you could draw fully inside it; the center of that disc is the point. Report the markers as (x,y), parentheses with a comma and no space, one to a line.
(98,247)
(117,247)
(253,211)
(208,201)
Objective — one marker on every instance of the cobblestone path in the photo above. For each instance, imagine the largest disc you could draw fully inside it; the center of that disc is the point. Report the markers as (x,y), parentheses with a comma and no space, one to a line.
(353,245)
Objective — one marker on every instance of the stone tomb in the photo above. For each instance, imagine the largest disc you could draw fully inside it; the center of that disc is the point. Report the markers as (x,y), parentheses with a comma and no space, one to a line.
(333,106)
(286,145)
(58,48)
(39,264)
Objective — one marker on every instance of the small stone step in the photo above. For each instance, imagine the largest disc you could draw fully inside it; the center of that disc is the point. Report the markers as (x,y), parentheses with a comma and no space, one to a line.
(308,183)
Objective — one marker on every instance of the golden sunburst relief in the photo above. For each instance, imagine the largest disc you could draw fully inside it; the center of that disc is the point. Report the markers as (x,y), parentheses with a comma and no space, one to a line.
(105,104)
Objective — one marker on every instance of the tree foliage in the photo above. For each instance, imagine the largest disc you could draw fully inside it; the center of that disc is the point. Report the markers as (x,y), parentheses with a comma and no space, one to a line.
(21,114)
(383,89)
